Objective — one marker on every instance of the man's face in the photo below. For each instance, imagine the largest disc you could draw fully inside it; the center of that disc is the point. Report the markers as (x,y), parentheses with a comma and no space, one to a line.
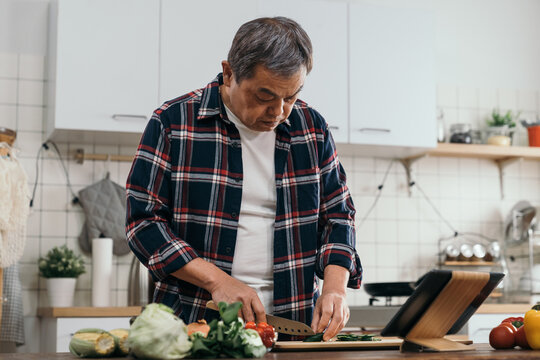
(263,101)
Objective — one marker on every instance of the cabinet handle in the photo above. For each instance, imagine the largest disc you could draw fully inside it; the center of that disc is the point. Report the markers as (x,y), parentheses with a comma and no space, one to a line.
(374,130)
(128,116)
(333,127)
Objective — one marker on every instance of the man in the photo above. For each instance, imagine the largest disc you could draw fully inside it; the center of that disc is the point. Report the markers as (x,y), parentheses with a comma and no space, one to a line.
(236,192)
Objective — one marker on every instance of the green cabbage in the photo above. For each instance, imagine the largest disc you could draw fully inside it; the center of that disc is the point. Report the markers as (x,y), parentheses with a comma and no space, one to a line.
(159,334)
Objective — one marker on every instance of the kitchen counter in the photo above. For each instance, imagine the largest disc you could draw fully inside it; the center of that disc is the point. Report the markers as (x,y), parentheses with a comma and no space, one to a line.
(483,351)
(89,311)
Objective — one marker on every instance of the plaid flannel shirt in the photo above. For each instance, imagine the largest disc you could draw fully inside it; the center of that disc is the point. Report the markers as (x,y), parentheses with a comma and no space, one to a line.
(185,188)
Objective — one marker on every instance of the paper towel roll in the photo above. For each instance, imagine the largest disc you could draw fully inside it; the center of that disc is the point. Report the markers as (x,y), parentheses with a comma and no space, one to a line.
(102,254)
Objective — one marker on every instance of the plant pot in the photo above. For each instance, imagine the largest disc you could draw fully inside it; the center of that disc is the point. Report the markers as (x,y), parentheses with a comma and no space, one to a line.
(534,135)
(60,291)
(499,135)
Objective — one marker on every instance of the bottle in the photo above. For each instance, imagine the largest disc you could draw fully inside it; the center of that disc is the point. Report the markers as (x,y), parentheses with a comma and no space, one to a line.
(441,127)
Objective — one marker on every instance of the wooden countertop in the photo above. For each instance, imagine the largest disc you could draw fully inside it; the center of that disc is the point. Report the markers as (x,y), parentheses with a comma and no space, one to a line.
(88,311)
(128,311)
(483,351)
(503,308)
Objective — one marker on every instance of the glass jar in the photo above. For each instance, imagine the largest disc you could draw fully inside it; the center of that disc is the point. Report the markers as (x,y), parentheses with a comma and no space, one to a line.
(460,133)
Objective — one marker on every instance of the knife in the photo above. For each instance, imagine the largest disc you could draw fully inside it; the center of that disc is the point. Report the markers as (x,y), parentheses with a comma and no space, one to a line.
(282,325)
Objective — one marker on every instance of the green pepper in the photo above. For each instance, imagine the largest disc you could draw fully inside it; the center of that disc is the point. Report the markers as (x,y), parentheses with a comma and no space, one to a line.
(314,338)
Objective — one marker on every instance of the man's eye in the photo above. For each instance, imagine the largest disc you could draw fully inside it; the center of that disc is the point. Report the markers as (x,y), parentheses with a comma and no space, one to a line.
(264,99)
(290,100)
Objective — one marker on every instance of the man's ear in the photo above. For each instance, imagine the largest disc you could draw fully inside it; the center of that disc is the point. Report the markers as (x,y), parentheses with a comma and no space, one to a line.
(227,73)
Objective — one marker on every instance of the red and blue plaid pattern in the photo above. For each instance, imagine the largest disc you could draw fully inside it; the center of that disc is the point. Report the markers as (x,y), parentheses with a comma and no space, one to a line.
(185,188)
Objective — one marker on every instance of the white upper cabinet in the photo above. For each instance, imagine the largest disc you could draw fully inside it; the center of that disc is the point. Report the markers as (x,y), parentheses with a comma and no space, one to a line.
(325,87)
(392,81)
(103,68)
(195,38)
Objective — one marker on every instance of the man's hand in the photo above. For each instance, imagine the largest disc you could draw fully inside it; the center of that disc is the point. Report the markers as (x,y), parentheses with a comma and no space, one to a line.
(229,289)
(223,287)
(331,311)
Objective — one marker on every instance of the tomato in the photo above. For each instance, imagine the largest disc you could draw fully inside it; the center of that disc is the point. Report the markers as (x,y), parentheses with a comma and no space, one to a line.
(521,339)
(260,331)
(262,324)
(502,336)
(251,325)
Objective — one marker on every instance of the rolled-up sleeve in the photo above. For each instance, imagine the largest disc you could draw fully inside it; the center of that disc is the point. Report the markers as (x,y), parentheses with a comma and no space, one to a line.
(149,210)
(336,217)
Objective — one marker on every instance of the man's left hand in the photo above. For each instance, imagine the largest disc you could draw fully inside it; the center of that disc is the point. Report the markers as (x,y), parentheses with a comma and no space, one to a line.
(331,311)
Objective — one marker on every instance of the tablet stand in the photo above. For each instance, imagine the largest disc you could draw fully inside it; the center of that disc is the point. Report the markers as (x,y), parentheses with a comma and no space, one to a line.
(444,311)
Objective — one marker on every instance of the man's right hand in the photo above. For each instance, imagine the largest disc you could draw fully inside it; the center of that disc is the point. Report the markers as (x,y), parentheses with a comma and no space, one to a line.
(223,287)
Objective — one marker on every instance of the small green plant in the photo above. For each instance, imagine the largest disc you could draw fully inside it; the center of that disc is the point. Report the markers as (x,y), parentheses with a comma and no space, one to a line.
(61,262)
(507,119)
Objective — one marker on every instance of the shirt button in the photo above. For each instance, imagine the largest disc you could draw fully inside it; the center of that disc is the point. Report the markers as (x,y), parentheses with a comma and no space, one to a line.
(234,215)
(237,179)
(228,250)
(236,145)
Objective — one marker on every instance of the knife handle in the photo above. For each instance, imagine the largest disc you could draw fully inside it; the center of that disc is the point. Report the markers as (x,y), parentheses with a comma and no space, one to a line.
(210,304)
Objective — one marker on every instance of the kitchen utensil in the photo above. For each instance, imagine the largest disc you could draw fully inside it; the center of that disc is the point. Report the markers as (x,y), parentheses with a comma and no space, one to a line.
(390,288)
(282,325)
(518,222)
(140,284)
(385,343)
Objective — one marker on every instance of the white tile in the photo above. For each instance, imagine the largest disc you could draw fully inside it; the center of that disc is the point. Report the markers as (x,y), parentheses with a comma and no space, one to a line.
(512,188)
(407,208)
(121,297)
(125,167)
(387,232)
(363,164)
(451,116)
(428,165)
(122,276)
(81,174)
(407,255)
(53,223)
(30,302)
(31,250)
(507,99)
(53,172)
(84,281)
(386,208)
(83,298)
(450,186)
(367,253)
(426,212)
(469,116)
(365,232)
(450,209)
(530,189)
(32,67)
(490,188)
(126,259)
(382,165)
(447,96)
(428,255)
(31,92)
(8,65)
(469,187)
(8,91)
(527,100)
(55,197)
(529,168)
(408,232)
(470,211)
(29,143)
(488,98)
(33,224)
(365,184)
(75,223)
(387,274)
(488,169)
(30,118)
(29,276)
(467,98)
(449,166)
(469,167)
(8,116)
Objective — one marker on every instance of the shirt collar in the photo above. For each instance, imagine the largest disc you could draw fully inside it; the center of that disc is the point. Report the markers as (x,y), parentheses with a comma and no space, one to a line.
(212,105)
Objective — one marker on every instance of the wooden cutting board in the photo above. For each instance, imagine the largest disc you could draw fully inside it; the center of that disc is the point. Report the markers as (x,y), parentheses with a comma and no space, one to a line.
(385,343)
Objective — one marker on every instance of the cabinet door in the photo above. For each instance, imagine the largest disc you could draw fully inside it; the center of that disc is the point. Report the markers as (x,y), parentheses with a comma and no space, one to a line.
(195,38)
(392,83)
(106,64)
(326,87)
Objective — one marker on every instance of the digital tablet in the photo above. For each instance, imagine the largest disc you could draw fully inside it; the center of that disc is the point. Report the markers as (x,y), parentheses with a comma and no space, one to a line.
(423,296)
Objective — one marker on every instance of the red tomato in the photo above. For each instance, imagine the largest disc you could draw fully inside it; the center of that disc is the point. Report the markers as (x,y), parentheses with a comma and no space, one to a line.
(251,325)
(521,339)
(262,324)
(267,340)
(502,336)
(260,331)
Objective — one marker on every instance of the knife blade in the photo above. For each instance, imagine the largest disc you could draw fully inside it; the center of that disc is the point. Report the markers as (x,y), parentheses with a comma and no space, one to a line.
(282,325)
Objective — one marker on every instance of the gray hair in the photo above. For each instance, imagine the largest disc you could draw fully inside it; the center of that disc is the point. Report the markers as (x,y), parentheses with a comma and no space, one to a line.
(279,44)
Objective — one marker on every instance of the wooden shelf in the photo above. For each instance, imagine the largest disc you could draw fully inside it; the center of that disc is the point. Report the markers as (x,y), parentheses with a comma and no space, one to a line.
(485,151)
(469,263)
(88,311)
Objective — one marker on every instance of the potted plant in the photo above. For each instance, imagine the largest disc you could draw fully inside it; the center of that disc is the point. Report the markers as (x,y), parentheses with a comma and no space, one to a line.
(61,267)
(501,127)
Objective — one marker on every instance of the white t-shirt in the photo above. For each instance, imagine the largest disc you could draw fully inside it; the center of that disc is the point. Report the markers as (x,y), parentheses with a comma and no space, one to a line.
(254,253)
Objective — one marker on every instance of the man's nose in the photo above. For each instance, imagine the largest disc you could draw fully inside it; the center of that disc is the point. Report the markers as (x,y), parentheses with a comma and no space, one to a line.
(276,109)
